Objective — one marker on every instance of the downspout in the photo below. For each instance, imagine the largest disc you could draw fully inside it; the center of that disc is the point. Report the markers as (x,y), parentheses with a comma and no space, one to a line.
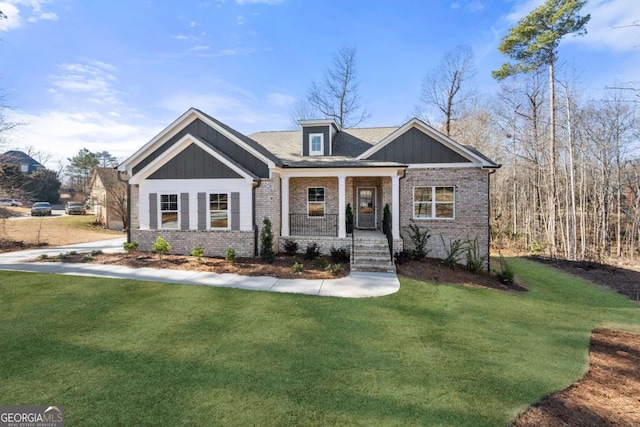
(253,218)
(492,171)
(126,181)
(404,175)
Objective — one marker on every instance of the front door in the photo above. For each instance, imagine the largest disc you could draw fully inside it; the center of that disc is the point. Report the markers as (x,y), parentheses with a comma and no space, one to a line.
(366,208)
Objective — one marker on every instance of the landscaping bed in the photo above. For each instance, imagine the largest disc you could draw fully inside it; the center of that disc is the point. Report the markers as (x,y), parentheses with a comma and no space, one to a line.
(280,268)
(608,395)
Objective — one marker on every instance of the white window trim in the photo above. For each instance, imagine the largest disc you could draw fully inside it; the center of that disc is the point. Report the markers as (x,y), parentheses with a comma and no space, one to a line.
(316,152)
(160,211)
(324,203)
(433,203)
(209,227)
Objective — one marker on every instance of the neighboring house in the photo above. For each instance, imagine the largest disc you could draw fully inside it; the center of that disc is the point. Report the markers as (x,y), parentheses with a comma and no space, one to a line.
(26,163)
(201,183)
(109,198)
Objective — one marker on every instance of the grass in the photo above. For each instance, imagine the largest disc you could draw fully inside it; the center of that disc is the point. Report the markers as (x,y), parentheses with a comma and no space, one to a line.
(55,231)
(137,353)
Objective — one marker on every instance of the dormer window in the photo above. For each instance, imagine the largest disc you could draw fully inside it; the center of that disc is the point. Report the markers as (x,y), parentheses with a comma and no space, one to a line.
(316,144)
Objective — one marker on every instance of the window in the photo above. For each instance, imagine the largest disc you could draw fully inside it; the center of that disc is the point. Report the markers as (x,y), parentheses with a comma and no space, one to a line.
(433,202)
(315,201)
(169,211)
(24,167)
(218,210)
(316,144)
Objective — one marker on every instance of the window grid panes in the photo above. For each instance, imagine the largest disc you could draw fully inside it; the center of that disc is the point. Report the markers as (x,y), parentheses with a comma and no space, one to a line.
(433,202)
(218,210)
(169,211)
(315,201)
(316,145)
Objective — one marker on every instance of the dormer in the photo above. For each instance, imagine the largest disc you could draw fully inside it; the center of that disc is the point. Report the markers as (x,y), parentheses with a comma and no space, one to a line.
(318,136)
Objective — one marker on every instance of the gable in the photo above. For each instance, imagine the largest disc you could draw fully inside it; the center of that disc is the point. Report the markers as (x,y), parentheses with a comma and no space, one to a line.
(416,147)
(194,163)
(214,139)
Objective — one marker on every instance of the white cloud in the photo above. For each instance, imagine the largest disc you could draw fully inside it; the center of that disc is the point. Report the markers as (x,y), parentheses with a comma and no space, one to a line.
(30,9)
(193,24)
(199,48)
(280,99)
(66,133)
(92,77)
(603,30)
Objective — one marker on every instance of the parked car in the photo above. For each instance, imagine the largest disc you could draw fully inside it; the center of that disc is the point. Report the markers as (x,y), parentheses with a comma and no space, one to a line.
(10,202)
(41,209)
(75,208)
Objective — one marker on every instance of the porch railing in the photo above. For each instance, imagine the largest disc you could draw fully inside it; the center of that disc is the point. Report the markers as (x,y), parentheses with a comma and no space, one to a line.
(304,225)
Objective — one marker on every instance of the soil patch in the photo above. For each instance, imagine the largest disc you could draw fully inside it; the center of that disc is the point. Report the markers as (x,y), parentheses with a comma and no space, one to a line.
(280,268)
(625,280)
(608,395)
(433,270)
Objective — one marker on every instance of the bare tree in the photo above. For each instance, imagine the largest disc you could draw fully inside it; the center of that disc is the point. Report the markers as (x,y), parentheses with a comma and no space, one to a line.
(336,96)
(444,87)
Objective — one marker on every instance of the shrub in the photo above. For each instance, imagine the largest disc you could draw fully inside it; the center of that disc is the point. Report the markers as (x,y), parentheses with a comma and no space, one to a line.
(62,257)
(349,219)
(266,242)
(419,238)
(43,256)
(290,247)
(402,256)
(130,247)
(320,263)
(98,251)
(297,267)
(340,255)
(198,253)
(161,247)
(454,251)
(230,256)
(87,258)
(312,252)
(333,269)
(505,275)
(73,252)
(475,259)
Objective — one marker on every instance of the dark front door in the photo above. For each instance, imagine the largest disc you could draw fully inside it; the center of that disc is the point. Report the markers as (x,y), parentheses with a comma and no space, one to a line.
(366,208)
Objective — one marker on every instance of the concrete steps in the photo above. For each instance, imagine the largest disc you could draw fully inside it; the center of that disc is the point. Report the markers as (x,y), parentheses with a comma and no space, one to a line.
(371,253)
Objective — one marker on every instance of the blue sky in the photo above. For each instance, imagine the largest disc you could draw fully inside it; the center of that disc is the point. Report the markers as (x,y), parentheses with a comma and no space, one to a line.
(109,75)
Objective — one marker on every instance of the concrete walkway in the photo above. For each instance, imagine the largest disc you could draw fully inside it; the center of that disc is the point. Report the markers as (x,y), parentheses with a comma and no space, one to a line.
(355,285)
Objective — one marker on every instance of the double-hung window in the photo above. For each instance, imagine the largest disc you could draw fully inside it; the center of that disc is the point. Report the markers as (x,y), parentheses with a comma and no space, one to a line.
(315,201)
(169,211)
(316,144)
(218,210)
(433,202)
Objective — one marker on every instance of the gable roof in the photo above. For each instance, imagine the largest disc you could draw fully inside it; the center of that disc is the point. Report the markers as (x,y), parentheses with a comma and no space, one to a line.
(184,120)
(15,157)
(107,176)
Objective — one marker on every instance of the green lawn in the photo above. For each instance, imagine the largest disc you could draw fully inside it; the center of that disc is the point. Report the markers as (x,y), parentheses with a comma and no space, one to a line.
(137,353)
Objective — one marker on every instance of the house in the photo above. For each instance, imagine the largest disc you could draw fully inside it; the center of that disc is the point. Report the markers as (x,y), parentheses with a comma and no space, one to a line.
(201,183)
(108,198)
(26,163)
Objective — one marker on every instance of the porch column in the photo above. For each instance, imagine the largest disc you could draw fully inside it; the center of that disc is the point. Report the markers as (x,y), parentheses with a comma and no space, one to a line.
(395,206)
(284,211)
(342,195)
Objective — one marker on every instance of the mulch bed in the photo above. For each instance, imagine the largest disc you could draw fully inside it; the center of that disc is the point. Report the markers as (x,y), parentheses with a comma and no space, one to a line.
(608,395)
(434,270)
(623,280)
(280,268)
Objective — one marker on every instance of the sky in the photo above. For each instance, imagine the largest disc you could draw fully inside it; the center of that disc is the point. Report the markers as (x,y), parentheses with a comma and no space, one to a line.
(110,75)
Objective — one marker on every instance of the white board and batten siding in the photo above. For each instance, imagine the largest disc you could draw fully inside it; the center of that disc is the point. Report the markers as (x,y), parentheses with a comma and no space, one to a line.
(193,187)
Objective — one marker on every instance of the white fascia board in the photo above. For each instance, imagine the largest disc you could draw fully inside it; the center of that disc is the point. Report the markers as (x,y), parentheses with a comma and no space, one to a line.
(335,172)
(175,149)
(176,127)
(319,122)
(443,139)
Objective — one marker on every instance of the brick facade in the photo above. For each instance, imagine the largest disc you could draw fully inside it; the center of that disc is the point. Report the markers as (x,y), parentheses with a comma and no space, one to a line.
(471,207)
(214,243)
(267,204)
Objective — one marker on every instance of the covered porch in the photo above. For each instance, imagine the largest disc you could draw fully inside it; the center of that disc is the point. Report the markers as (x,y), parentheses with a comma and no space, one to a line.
(314,200)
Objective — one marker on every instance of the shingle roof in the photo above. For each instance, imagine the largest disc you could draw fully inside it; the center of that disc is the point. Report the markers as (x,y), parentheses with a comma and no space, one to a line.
(15,157)
(349,143)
